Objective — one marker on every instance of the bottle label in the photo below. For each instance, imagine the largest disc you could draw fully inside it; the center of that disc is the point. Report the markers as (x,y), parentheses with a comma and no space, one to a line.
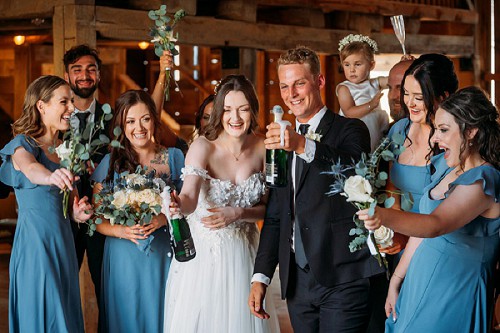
(271,173)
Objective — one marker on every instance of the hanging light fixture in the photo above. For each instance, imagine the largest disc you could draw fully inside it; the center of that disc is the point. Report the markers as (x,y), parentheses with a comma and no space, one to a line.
(143,45)
(19,40)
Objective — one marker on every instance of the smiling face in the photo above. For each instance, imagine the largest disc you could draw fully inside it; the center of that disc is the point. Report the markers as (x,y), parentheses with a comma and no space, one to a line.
(448,137)
(300,90)
(414,100)
(237,116)
(357,67)
(55,114)
(83,76)
(139,126)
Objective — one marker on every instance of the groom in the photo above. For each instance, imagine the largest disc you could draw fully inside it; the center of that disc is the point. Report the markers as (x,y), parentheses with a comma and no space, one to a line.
(306,231)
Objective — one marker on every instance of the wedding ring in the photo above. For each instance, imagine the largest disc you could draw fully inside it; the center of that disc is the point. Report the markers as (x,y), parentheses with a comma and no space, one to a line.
(167,68)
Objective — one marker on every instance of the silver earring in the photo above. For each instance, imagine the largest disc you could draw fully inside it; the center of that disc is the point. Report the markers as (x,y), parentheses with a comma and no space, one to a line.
(470,143)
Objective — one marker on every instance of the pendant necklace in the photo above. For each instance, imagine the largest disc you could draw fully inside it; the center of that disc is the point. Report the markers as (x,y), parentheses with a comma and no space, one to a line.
(236,157)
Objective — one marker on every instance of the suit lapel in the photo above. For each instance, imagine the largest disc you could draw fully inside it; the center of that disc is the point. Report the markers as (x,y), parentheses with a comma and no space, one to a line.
(324,127)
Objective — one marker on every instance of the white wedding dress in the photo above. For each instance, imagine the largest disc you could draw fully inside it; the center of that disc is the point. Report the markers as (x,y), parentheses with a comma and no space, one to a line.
(209,294)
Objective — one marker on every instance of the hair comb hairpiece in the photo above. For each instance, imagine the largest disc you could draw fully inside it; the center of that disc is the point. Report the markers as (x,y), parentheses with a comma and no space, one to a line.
(358,38)
(216,88)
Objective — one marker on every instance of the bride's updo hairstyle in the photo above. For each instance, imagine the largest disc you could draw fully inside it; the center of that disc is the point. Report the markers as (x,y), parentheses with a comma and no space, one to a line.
(472,109)
(126,159)
(231,83)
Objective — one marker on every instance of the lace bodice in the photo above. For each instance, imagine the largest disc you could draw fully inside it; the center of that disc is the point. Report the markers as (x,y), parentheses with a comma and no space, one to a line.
(219,193)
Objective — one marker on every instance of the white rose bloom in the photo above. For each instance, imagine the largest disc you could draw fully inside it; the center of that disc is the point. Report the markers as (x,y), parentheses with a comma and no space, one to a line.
(357,189)
(119,199)
(63,151)
(383,236)
(135,179)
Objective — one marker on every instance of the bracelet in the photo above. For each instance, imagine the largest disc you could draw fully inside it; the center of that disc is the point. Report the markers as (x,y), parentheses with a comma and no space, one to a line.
(394,274)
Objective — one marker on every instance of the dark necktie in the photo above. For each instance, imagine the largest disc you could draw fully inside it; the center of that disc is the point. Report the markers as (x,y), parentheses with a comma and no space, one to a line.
(82,120)
(300,256)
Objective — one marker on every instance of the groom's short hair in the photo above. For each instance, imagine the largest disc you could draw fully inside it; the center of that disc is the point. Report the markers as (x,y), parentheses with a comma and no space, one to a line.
(301,55)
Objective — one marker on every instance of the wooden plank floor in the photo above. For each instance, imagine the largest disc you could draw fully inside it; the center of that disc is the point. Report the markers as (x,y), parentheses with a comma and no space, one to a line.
(4,299)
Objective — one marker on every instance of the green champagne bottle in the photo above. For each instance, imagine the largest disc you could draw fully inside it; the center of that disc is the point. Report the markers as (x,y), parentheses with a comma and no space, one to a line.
(183,244)
(277,159)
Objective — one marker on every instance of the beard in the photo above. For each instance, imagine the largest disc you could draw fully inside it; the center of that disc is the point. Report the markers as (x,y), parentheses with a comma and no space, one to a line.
(83,92)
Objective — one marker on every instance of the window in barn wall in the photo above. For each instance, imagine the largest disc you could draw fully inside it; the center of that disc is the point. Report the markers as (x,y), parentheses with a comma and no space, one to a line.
(196,63)
(492,52)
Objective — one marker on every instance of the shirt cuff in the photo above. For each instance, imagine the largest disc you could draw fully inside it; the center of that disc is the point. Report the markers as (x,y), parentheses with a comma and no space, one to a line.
(259,277)
(309,151)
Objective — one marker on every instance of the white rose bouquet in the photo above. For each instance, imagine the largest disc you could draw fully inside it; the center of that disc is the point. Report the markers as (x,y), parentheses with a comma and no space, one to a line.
(365,190)
(132,198)
(77,148)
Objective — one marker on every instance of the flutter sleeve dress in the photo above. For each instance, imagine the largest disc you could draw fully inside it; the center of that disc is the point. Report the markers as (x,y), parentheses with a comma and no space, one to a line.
(44,292)
(449,283)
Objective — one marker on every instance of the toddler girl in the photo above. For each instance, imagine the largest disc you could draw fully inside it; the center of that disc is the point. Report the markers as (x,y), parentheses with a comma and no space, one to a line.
(359,96)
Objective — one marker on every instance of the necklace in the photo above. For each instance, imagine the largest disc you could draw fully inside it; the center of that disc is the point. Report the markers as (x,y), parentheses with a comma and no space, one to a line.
(236,157)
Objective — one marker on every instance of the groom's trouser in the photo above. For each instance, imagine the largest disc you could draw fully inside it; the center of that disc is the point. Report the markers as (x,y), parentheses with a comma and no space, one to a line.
(314,308)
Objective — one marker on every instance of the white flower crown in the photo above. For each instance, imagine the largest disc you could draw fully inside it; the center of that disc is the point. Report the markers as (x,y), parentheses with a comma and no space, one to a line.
(358,38)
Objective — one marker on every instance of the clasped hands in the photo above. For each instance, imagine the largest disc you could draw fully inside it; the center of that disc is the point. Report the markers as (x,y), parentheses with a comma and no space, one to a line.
(221,217)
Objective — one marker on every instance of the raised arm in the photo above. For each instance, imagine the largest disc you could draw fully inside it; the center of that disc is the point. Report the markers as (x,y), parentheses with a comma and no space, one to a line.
(158,95)
(38,174)
(464,204)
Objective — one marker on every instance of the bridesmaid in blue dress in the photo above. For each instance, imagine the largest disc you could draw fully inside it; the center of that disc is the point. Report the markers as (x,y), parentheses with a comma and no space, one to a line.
(429,79)
(44,294)
(134,277)
(449,283)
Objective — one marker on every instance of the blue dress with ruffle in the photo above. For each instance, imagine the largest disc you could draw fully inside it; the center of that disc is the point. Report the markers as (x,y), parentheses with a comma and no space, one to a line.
(448,286)
(44,293)
(409,178)
(134,279)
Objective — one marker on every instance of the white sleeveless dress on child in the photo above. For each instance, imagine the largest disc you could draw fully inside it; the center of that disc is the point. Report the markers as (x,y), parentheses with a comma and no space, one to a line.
(377,120)
(209,293)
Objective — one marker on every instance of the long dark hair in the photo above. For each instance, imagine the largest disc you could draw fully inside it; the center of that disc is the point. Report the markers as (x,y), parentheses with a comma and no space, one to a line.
(199,114)
(126,159)
(436,76)
(231,83)
(472,109)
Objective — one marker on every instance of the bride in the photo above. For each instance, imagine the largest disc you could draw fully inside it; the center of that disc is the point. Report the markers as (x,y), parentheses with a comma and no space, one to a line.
(224,195)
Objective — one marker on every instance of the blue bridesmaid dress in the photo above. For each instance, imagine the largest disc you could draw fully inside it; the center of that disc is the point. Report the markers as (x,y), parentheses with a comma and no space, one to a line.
(409,178)
(44,293)
(448,286)
(133,281)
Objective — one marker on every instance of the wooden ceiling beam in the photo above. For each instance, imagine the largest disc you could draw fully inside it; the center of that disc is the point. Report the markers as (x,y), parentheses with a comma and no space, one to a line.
(123,24)
(390,8)
(14,9)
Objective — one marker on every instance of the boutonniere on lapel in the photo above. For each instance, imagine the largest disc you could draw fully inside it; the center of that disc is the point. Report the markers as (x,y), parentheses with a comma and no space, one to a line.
(313,136)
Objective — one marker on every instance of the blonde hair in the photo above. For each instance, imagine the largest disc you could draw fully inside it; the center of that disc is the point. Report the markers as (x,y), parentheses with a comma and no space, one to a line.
(301,55)
(42,89)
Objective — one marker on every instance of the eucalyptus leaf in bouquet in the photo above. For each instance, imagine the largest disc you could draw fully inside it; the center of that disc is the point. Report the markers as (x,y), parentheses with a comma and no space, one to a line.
(78,146)
(366,190)
(163,35)
(130,199)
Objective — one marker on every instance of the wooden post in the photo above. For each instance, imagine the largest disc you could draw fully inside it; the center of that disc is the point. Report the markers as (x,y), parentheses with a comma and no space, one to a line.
(73,25)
